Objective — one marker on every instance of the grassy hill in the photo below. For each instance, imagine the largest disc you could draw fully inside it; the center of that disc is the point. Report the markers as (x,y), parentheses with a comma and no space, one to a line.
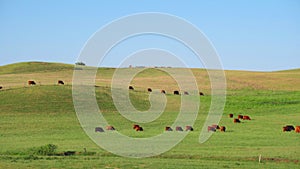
(34,116)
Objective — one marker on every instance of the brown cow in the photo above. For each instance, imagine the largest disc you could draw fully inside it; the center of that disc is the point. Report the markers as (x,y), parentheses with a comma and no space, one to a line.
(60,82)
(31,82)
(130,88)
(222,128)
(149,90)
(99,129)
(178,128)
(230,115)
(246,118)
(189,128)
(236,121)
(139,128)
(163,91)
(186,93)
(201,93)
(176,92)
(211,128)
(215,126)
(110,128)
(288,128)
(136,126)
(240,116)
(297,129)
(168,128)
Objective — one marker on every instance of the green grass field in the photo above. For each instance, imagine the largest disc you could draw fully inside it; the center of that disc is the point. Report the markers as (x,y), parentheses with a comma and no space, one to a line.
(34,116)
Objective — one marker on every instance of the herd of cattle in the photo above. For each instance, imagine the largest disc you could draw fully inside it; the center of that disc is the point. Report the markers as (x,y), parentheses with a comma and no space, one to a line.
(137,127)
(175,92)
(212,128)
(291,128)
(31,82)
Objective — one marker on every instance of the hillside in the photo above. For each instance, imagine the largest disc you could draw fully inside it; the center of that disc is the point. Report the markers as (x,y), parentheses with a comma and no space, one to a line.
(17,75)
(34,116)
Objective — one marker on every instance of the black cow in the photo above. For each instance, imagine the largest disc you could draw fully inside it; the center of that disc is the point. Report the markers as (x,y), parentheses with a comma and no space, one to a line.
(31,82)
(176,92)
(60,82)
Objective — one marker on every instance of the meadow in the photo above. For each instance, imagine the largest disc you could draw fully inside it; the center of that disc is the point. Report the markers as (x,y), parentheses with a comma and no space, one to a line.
(35,116)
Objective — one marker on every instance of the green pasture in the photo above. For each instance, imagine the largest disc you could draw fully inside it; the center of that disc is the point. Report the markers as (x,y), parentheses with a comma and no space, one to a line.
(35,116)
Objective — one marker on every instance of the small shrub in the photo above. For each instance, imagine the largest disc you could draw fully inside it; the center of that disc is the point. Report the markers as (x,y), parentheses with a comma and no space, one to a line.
(80,63)
(48,149)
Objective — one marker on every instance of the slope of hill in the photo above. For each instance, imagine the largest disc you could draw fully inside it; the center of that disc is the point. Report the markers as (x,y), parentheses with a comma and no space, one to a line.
(33,67)
(33,116)
(16,75)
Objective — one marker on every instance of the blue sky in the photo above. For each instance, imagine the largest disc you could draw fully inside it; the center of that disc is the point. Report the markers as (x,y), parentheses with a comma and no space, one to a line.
(248,35)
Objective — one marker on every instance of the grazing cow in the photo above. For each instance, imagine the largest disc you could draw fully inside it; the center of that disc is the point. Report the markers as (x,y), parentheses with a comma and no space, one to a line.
(110,128)
(31,82)
(189,128)
(186,93)
(1,87)
(178,128)
(168,128)
(222,128)
(240,116)
(297,129)
(136,126)
(288,128)
(211,128)
(230,115)
(246,118)
(99,129)
(139,128)
(163,91)
(176,92)
(236,121)
(215,126)
(60,82)
(149,90)
(201,93)
(131,88)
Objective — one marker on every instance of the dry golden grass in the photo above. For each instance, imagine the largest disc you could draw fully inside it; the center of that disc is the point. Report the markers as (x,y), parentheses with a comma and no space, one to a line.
(157,79)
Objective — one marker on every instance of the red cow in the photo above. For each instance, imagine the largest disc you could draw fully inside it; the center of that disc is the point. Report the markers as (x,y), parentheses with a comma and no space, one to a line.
(246,118)
(110,128)
(240,116)
(230,115)
(211,128)
(222,128)
(163,91)
(236,121)
(215,126)
(189,128)
(31,82)
(297,129)
(139,128)
(168,128)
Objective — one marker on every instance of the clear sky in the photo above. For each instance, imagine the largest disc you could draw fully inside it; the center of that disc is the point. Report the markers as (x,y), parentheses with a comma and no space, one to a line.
(248,35)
